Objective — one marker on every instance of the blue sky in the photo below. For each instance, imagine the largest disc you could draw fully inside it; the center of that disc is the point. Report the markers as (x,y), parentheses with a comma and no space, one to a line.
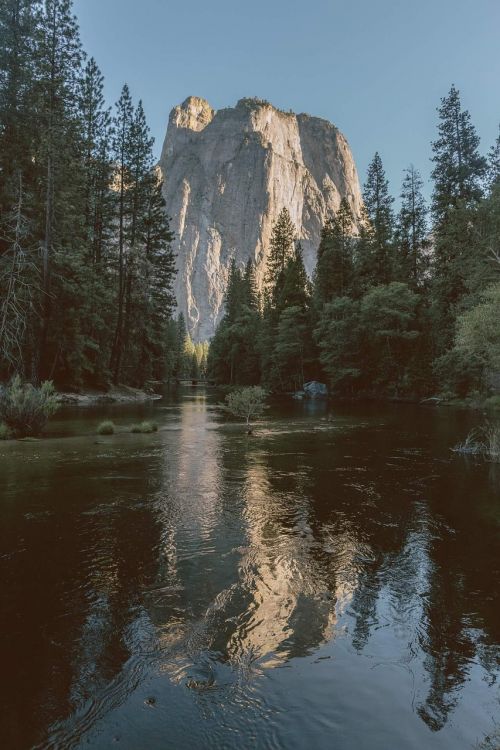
(375,68)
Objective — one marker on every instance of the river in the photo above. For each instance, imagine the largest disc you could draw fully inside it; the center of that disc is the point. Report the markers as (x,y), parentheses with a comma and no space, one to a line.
(331,582)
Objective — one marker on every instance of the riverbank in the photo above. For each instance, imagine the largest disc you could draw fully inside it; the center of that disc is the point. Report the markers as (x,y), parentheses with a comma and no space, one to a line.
(475,402)
(122,394)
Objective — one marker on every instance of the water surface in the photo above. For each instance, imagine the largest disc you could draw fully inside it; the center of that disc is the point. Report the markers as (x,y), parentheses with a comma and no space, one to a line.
(331,582)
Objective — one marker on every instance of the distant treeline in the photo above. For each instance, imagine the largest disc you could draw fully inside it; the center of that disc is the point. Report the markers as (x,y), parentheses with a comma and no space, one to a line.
(403,305)
(86,265)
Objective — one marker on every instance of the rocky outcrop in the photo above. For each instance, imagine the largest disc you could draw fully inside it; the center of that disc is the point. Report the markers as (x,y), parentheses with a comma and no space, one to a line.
(227,175)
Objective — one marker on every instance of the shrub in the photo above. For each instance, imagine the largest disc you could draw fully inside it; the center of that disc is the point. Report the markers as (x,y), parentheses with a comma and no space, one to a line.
(493,402)
(144,428)
(492,442)
(484,441)
(24,408)
(246,402)
(5,433)
(473,444)
(106,428)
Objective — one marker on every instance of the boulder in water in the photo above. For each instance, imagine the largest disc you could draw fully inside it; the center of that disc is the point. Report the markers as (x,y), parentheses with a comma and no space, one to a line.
(314,389)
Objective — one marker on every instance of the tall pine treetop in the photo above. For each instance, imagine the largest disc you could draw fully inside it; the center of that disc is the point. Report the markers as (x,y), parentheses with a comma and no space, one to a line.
(412,229)
(375,248)
(494,162)
(282,244)
(459,167)
(377,198)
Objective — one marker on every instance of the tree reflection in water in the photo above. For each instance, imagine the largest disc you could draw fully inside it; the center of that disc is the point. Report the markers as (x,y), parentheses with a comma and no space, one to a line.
(212,560)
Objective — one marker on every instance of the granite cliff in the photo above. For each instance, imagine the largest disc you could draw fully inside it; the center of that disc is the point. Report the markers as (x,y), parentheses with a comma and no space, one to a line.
(227,175)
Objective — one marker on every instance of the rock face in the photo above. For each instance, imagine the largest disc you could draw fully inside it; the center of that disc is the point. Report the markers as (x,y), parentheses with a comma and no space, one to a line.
(228,174)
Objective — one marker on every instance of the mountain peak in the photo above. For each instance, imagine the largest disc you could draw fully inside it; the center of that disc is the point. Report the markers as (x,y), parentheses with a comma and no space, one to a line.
(195,113)
(225,187)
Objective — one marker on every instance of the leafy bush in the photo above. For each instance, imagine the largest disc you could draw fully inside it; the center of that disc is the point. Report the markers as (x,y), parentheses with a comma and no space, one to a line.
(5,433)
(144,428)
(25,408)
(458,373)
(106,428)
(246,402)
(493,402)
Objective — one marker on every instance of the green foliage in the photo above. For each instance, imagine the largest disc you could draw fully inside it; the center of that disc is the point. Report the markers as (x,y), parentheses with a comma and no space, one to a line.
(5,432)
(457,373)
(459,168)
(493,402)
(375,252)
(474,361)
(458,176)
(397,307)
(281,248)
(87,268)
(247,403)
(86,265)
(25,409)
(339,338)
(106,428)
(285,350)
(290,348)
(144,428)
(145,262)
(412,262)
(494,163)
(367,344)
(335,264)
(233,357)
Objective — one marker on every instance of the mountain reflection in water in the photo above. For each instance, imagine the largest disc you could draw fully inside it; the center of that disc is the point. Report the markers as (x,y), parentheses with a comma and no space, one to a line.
(324,583)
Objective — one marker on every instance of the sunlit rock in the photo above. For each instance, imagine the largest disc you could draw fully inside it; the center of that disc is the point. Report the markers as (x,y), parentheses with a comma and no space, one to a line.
(227,176)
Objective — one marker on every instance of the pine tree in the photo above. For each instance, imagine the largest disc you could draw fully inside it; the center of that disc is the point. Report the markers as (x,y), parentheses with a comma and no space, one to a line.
(458,177)
(18,287)
(250,286)
(412,231)
(97,164)
(58,57)
(17,106)
(81,226)
(99,221)
(494,163)
(334,268)
(281,247)
(158,300)
(295,291)
(233,356)
(290,347)
(375,251)
(122,152)
(339,338)
(459,168)
(181,335)
(389,330)
(19,261)
(234,292)
(288,340)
